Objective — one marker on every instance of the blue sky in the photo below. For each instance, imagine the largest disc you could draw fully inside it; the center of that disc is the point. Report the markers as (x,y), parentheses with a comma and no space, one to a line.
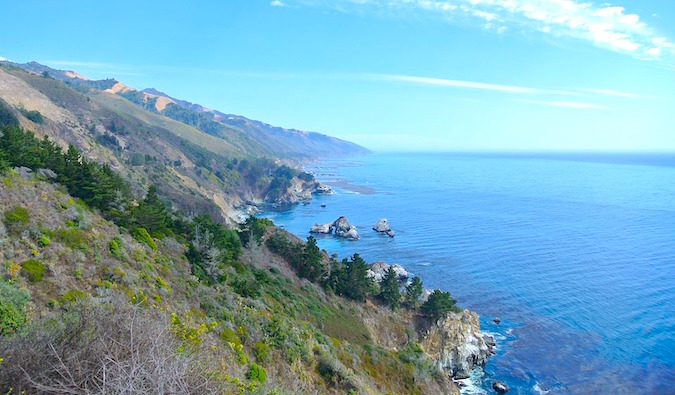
(388,74)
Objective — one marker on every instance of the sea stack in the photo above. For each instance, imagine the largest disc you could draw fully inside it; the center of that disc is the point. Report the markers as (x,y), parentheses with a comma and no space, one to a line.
(321,228)
(344,229)
(382,226)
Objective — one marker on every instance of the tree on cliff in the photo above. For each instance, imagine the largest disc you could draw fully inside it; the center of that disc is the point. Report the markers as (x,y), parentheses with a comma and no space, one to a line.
(413,292)
(439,303)
(389,292)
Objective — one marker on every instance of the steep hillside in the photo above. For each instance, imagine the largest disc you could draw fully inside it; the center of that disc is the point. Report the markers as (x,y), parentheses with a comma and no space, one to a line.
(256,328)
(248,136)
(195,171)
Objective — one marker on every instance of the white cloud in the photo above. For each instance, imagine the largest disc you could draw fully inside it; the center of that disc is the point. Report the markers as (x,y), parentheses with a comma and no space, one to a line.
(602,24)
(466,84)
(277,3)
(610,92)
(2,59)
(567,104)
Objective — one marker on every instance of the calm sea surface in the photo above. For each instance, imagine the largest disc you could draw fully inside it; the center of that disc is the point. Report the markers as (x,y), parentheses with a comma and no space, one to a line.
(574,252)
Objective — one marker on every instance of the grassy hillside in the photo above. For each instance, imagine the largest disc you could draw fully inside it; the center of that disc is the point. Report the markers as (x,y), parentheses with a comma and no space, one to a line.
(195,171)
(81,295)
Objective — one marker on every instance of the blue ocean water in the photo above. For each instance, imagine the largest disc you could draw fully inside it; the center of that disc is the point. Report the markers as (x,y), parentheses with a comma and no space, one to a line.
(575,253)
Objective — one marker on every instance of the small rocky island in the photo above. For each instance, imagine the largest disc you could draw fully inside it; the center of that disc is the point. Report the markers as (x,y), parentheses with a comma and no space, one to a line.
(382,226)
(341,226)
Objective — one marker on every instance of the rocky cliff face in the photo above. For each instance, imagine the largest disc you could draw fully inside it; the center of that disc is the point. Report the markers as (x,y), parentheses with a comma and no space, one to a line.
(456,343)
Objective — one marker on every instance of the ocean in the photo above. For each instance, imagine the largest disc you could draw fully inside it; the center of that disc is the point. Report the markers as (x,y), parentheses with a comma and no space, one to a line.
(574,252)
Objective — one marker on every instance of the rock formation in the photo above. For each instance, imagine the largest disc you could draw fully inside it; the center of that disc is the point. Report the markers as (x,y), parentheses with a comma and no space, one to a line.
(321,228)
(456,343)
(382,226)
(323,189)
(344,229)
(500,387)
(379,269)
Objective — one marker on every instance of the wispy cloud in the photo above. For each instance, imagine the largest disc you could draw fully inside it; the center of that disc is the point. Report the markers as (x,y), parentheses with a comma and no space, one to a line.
(2,59)
(466,84)
(567,104)
(277,3)
(604,25)
(611,92)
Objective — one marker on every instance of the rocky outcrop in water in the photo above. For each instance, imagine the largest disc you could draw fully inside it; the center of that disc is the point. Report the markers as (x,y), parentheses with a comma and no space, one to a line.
(382,226)
(344,229)
(321,228)
(456,343)
(500,387)
(323,189)
(378,271)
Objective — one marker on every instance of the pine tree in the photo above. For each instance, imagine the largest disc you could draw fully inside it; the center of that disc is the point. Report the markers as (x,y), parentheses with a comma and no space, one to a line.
(413,292)
(389,292)
(439,303)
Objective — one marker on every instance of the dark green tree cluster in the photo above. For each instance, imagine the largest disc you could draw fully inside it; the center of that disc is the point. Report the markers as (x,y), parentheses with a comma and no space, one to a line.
(306,260)
(97,185)
(253,229)
(439,303)
(349,278)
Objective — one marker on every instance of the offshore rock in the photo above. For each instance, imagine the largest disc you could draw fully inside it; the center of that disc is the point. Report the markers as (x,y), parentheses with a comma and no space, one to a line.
(382,226)
(323,189)
(378,271)
(344,229)
(500,387)
(456,344)
(321,228)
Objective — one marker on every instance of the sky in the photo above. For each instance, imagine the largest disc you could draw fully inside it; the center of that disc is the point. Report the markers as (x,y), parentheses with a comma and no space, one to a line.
(392,75)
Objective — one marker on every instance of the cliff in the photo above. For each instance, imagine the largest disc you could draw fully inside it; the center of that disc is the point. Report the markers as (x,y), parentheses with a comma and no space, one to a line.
(456,343)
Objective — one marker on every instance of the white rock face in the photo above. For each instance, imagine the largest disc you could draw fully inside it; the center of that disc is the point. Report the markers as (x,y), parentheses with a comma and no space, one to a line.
(321,228)
(378,271)
(382,226)
(323,189)
(344,229)
(456,343)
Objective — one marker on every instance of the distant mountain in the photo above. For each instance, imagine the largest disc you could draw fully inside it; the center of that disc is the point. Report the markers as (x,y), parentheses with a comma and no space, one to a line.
(199,165)
(281,141)
(250,136)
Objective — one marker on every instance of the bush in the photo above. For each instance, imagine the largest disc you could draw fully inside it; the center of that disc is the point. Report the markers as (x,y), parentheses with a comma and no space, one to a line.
(114,247)
(72,296)
(261,352)
(44,241)
(32,115)
(133,346)
(142,236)
(72,238)
(257,373)
(16,219)
(33,270)
(12,308)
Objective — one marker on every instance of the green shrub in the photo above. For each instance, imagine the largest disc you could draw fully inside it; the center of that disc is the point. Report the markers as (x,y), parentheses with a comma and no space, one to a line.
(72,237)
(32,115)
(261,352)
(33,270)
(16,219)
(114,247)
(44,241)
(72,296)
(142,236)
(12,308)
(257,373)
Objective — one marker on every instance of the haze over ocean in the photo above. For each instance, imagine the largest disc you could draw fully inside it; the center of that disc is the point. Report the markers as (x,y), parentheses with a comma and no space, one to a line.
(575,253)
